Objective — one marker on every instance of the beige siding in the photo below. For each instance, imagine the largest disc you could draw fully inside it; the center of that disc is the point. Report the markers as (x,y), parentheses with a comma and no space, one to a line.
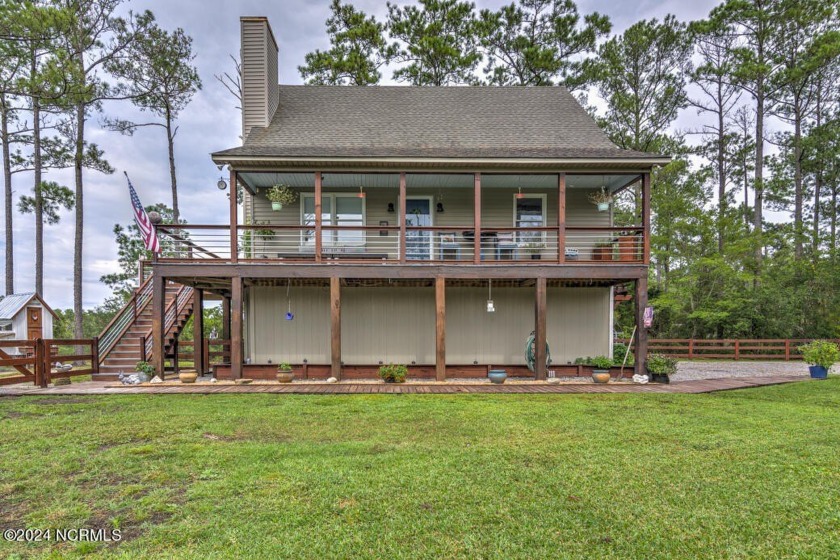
(274,338)
(259,74)
(398,325)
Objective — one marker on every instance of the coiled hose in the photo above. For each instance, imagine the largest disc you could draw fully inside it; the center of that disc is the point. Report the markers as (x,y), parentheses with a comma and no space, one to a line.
(531,354)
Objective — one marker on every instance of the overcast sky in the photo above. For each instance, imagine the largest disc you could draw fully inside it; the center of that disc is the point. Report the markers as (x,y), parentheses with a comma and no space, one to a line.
(211,123)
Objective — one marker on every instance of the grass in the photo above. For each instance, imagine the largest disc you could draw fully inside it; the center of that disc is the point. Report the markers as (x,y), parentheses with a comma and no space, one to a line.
(741,474)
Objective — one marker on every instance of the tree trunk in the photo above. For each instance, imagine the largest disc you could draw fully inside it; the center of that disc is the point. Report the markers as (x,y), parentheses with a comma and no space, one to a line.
(39,199)
(721,176)
(817,180)
(7,189)
(797,183)
(170,138)
(78,161)
(759,173)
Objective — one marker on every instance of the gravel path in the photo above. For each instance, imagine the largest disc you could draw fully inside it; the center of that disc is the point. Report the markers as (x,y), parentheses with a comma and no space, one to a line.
(687,371)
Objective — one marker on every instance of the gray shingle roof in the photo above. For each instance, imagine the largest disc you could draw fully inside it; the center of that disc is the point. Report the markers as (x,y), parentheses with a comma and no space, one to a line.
(430,122)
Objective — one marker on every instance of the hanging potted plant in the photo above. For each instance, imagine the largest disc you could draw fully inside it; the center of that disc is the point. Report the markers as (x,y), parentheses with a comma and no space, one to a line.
(265,234)
(602,199)
(534,249)
(820,355)
(285,373)
(280,195)
(601,369)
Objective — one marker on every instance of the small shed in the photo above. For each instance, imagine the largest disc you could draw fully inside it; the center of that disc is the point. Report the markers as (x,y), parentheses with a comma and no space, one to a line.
(25,317)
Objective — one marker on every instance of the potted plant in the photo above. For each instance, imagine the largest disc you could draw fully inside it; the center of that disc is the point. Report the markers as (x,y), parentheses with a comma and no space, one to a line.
(820,355)
(661,368)
(279,195)
(601,369)
(392,373)
(285,373)
(602,199)
(264,234)
(534,249)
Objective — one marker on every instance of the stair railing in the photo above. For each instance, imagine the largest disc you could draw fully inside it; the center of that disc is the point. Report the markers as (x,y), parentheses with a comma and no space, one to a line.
(182,298)
(124,318)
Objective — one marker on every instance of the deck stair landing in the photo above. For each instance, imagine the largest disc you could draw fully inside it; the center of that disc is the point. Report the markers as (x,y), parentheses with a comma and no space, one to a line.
(120,343)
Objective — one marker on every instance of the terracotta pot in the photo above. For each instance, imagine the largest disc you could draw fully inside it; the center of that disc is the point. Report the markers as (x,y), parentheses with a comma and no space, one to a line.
(601,376)
(285,376)
(188,376)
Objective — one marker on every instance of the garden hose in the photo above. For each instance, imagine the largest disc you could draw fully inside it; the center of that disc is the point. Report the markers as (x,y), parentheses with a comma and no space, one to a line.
(530,352)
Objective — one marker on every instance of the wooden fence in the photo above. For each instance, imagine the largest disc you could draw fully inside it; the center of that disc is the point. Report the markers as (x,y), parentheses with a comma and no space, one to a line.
(35,360)
(216,351)
(728,349)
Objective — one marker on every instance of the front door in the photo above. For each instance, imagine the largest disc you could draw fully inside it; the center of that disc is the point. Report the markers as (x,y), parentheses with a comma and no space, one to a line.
(418,244)
(34,322)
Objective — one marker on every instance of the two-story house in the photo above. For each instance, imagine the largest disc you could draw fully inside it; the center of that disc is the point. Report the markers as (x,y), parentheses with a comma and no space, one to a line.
(436,227)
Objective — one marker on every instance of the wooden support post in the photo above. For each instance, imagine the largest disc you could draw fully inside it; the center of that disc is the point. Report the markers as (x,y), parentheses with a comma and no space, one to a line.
(176,364)
(561,218)
(158,309)
(440,328)
(234,217)
(641,295)
(402,218)
(319,219)
(198,332)
(539,329)
(226,318)
(646,218)
(787,350)
(38,350)
(236,303)
(94,352)
(477,218)
(335,327)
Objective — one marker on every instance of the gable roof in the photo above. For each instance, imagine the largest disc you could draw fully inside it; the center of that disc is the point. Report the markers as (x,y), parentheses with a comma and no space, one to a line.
(430,122)
(12,304)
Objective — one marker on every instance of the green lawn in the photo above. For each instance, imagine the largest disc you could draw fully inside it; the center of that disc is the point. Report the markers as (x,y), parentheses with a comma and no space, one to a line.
(743,474)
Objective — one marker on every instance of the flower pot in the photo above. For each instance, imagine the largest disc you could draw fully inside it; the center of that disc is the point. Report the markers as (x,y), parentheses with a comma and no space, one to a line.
(497,376)
(276,206)
(285,376)
(660,378)
(603,206)
(187,376)
(601,375)
(818,372)
(536,256)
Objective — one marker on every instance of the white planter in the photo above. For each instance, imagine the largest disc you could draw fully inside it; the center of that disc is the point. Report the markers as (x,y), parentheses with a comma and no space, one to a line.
(276,206)
(603,206)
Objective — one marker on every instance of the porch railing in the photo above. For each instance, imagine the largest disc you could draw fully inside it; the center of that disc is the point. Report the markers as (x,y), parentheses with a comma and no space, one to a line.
(417,245)
(120,323)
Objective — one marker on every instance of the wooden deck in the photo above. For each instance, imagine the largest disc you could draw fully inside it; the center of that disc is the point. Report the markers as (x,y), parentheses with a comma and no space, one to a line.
(449,388)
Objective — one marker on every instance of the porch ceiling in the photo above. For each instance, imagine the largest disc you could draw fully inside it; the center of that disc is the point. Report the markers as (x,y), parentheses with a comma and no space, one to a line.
(255,179)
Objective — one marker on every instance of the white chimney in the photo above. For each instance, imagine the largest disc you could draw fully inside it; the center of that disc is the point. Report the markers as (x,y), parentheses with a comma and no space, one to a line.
(259,73)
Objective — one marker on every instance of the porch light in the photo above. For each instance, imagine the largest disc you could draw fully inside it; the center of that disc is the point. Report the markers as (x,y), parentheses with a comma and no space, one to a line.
(390,207)
(222,185)
(440,207)
(519,194)
(361,192)
(491,308)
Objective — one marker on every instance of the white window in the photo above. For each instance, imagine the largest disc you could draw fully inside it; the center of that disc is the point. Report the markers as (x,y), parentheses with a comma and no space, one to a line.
(345,210)
(528,212)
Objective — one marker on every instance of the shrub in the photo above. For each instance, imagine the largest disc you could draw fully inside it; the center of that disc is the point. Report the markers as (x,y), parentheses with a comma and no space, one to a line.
(145,367)
(820,353)
(391,372)
(285,366)
(661,365)
(619,351)
(284,194)
(587,361)
(601,362)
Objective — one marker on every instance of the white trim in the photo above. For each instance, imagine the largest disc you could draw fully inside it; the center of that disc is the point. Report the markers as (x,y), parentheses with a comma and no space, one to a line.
(611,329)
(458,161)
(333,220)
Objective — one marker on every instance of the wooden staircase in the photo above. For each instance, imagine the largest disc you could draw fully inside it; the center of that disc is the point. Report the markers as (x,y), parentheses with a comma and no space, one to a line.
(128,338)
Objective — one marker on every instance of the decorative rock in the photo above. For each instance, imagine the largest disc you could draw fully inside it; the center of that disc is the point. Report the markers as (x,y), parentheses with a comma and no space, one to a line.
(243,381)
(553,381)
(641,379)
(213,380)
(332,380)
(58,381)
(156,379)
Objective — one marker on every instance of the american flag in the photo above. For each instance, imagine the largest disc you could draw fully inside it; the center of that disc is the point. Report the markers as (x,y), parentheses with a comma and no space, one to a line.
(150,239)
